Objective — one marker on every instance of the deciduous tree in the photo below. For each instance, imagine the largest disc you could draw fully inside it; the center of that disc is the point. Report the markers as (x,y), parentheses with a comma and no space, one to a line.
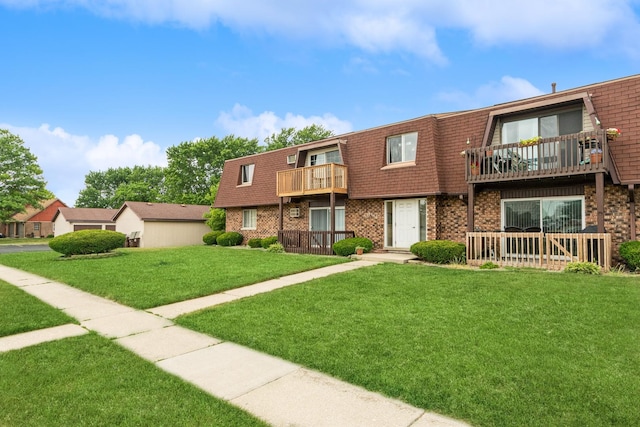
(21,179)
(111,188)
(195,166)
(288,137)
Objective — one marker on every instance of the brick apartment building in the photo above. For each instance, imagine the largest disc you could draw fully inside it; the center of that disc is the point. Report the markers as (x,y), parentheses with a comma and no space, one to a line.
(548,164)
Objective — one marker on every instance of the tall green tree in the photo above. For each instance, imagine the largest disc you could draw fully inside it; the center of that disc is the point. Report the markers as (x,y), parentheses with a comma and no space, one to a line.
(195,166)
(21,179)
(111,188)
(288,137)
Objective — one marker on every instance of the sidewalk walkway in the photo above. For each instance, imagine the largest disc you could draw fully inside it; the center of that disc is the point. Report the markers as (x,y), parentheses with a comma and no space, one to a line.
(275,390)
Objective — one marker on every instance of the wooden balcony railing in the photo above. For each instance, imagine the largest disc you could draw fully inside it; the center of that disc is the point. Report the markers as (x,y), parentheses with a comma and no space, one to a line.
(311,242)
(321,179)
(574,154)
(539,250)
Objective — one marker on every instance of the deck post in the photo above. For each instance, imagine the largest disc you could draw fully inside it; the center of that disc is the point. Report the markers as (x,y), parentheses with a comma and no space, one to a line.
(632,211)
(470,203)
(600,200)
(280,210)
(332,203)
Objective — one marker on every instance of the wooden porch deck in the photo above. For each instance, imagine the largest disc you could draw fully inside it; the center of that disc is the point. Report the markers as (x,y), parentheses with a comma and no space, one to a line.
(552,251)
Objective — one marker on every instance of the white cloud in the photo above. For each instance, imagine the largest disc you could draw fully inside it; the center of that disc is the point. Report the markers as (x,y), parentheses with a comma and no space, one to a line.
(110,153)
(66,158)
(242,122)
(382,26)
(507,89)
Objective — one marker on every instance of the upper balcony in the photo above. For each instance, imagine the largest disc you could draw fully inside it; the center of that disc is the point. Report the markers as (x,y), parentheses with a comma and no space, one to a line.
(561,156)
(320,179)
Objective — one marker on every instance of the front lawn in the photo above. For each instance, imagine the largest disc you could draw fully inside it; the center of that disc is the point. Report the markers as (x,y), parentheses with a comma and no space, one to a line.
(91,381)
(495,348)
(145,278)
(21,312)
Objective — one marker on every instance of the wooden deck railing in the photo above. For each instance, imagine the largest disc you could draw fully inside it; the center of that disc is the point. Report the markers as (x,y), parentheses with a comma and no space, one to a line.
(578,153)
(541,250)
(311,242)
(321,179)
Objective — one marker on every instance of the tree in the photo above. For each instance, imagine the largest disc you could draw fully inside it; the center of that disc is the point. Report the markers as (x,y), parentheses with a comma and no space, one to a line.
(288,137)
(195,166)
(216,218)
(111,188)
(21,179)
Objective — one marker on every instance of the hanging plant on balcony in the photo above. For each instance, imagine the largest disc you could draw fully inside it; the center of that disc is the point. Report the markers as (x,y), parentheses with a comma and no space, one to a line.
(531,141)
(613,133)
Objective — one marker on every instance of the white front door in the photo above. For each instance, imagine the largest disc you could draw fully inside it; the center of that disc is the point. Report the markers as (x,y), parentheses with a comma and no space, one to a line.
(402,223)
(407,223)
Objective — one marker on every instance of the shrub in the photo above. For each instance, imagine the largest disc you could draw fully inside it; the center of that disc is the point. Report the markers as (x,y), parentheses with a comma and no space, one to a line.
(348,246)
(276,248)
(268,241)
(439,251)
(85,242)
(582,268)
(231,238)
(216,219)
(630,253)
(255,243)
(489,265)
(211,237)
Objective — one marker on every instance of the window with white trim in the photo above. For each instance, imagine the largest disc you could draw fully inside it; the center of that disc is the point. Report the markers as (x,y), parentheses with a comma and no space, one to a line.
(548,126)
(247,174)
(549,214)
(249,219)
(324,157)
(402,148)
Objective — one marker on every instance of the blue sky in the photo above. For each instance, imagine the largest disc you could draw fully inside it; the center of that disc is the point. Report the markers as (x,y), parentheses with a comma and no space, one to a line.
(93,84)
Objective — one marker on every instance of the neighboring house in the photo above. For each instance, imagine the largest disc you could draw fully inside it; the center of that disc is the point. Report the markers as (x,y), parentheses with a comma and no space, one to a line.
(67,220)
(162,224)
(34,222)
(454,175)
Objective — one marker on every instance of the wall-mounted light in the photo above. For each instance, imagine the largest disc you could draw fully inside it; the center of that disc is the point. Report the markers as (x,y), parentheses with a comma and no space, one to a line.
(468,142)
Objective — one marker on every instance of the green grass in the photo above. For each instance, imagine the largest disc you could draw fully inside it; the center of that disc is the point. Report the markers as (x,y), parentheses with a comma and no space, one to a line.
(495,348)
(145,278)
(24,241)
(90,381)
(21,312)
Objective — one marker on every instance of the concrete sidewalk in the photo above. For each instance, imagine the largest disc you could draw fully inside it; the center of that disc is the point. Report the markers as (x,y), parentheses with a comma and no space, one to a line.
(277,391)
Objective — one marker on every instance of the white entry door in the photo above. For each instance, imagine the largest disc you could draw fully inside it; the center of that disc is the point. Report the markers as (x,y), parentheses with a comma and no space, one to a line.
(406,227)
(407,223)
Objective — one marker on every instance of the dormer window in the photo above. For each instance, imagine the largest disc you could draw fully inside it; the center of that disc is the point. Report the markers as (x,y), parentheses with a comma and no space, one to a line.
(324,157)
(247,174)
(402,148)
(545,126)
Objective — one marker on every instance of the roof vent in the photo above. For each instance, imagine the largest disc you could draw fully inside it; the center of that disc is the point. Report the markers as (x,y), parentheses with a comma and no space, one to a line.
(553,87)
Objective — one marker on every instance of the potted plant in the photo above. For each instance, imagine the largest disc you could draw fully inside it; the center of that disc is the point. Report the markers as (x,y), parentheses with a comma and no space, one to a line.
(475,167)
(359,250)
(596,155)
(613,133)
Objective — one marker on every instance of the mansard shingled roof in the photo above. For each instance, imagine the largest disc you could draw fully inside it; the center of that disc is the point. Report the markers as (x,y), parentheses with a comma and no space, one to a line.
(439,168)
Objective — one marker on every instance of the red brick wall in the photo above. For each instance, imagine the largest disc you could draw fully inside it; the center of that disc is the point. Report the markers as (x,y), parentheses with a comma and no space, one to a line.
(451,219)
(366,219)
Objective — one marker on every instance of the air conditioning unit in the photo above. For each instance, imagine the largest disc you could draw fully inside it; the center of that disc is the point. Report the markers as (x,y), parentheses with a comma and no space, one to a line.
(294,213)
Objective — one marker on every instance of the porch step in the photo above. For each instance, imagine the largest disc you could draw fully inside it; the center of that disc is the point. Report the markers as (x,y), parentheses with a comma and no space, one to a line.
(393,257)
